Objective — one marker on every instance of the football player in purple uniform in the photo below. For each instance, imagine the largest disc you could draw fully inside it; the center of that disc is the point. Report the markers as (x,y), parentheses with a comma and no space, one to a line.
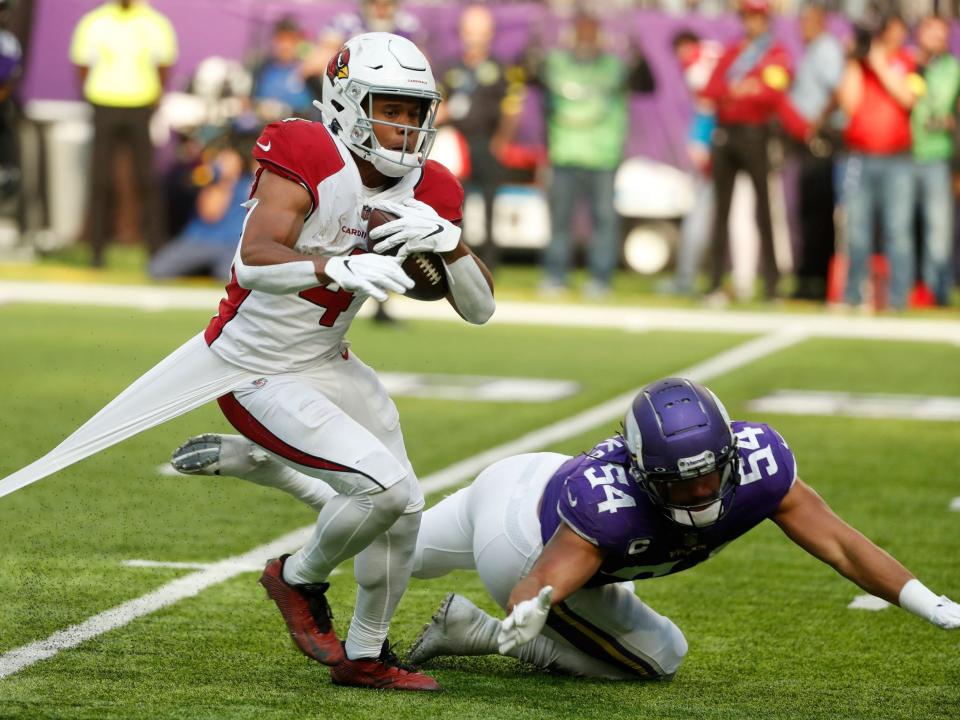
(559,540)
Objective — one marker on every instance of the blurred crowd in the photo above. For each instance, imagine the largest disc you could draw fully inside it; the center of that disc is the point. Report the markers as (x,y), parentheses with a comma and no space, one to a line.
(851,141)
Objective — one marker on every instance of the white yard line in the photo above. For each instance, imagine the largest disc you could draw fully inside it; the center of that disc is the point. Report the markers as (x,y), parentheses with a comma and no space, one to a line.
(868,602)
(190,585)
(814,324)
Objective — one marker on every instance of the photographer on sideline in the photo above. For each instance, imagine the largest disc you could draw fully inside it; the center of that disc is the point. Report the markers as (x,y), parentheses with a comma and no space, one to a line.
(878,89)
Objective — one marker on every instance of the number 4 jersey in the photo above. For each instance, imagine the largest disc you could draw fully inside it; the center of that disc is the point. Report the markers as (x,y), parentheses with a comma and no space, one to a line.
(286,333)
(594,495)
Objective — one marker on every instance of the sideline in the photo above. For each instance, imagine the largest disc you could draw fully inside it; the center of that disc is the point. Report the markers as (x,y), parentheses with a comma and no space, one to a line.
(218,572)
(631,318)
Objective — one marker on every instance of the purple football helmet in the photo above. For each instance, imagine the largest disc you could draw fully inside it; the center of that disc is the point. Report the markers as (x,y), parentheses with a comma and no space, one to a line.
(678,432)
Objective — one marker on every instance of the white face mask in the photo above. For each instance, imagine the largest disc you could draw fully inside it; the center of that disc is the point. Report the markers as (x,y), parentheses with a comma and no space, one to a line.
(698,518)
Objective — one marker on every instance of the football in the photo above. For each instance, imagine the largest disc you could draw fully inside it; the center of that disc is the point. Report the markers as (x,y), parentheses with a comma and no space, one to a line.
(426,269)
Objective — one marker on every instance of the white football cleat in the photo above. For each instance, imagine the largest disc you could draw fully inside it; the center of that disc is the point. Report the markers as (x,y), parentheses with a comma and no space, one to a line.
(213,454)
(450,631)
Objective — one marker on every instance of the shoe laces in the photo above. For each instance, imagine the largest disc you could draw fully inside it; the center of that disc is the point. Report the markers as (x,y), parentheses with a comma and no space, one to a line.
(317,602)
(390,659)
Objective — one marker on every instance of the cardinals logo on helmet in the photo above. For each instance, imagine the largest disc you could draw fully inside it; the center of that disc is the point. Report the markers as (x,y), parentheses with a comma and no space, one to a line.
(338,67)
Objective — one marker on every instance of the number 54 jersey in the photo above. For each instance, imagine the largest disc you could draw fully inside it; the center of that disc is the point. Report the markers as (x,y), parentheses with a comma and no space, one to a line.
(594,494)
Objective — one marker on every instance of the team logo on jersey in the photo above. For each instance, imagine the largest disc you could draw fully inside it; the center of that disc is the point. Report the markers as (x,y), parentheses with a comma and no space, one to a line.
(638,546)
(259,382)
(338,67)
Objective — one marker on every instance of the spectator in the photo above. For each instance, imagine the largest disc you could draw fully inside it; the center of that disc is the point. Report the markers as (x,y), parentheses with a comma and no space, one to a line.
(813,98)
(11,57)
(208,242)
(878,89)
(485,107)
(933,122)
(123,50)
(374,16)
(747,88)
(697,58)
(586,90)
(279,89)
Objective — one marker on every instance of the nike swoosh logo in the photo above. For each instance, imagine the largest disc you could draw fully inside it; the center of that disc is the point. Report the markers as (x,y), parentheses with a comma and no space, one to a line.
(435,232)
(346,264)
(570,499)
(265,148)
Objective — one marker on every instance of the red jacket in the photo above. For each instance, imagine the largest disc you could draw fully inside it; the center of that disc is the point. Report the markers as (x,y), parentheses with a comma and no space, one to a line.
(773,73)
(880,126)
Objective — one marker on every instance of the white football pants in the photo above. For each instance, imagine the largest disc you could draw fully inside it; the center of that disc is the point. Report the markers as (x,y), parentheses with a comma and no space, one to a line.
(336,423)
(493,526)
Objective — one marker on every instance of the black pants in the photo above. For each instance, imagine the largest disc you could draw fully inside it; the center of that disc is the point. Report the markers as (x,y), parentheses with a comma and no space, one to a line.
(486,175)
(816,196)
(736,148)
(111,127)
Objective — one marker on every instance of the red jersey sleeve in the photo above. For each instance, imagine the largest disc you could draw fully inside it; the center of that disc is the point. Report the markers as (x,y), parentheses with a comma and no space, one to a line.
(716,86)
(439,189)
(300,151)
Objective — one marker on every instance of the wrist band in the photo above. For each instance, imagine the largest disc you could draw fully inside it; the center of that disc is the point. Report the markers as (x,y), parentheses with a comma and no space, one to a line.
(916,598)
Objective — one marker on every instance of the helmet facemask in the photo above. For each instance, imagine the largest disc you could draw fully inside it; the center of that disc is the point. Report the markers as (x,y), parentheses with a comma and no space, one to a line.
(394,163)
(683,496)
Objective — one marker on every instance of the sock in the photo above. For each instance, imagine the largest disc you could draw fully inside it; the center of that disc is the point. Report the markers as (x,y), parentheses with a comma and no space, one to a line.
(382,571)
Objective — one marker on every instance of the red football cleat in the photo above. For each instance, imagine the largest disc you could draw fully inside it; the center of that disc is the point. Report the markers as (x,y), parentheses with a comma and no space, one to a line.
(383,673)
(306,612)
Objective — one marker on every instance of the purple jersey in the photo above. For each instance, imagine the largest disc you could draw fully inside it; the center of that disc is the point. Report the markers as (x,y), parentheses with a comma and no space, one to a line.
(594,494)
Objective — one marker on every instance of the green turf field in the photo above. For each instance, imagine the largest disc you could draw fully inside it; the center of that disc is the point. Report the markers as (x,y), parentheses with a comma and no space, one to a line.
(769,631)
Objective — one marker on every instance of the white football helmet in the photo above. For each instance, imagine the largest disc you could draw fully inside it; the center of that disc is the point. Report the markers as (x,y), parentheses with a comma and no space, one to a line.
(379,64)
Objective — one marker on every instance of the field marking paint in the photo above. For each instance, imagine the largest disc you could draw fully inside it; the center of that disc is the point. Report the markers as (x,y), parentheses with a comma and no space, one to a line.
(955,504)
(172,592)
(218,572)
(868,602)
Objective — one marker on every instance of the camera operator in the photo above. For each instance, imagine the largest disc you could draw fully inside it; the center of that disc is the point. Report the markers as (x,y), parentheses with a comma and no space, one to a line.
(878,89)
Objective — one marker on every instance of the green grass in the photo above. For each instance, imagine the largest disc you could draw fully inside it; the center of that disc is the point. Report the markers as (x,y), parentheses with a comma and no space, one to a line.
(769,632)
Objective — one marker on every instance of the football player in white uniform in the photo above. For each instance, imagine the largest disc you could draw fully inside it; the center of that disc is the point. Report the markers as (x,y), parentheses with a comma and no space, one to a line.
(559,540)
(275,356)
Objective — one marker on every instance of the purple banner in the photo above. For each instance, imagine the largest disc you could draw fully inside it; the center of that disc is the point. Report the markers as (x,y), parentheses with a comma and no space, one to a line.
(240,28)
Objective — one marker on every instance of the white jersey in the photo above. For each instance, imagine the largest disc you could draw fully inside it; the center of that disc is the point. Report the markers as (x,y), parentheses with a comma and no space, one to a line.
(285,333)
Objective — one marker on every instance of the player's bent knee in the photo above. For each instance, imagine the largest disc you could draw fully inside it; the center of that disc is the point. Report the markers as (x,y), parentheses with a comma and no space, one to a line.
(393,500)
(674,651)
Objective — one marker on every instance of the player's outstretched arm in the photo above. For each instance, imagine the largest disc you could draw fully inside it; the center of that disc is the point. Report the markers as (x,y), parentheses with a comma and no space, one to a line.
(810,523)
(268,262)
(565,564)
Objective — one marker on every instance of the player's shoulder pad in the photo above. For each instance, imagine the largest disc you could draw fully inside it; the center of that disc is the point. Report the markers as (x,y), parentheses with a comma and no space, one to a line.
(783,451)
(763,451)
(597,501)
(301,151)
(440,189)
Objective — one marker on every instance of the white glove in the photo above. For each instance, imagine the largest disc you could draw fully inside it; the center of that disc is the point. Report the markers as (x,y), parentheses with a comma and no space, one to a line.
(417,229)
(946,614)
(525,622)
(368,273)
